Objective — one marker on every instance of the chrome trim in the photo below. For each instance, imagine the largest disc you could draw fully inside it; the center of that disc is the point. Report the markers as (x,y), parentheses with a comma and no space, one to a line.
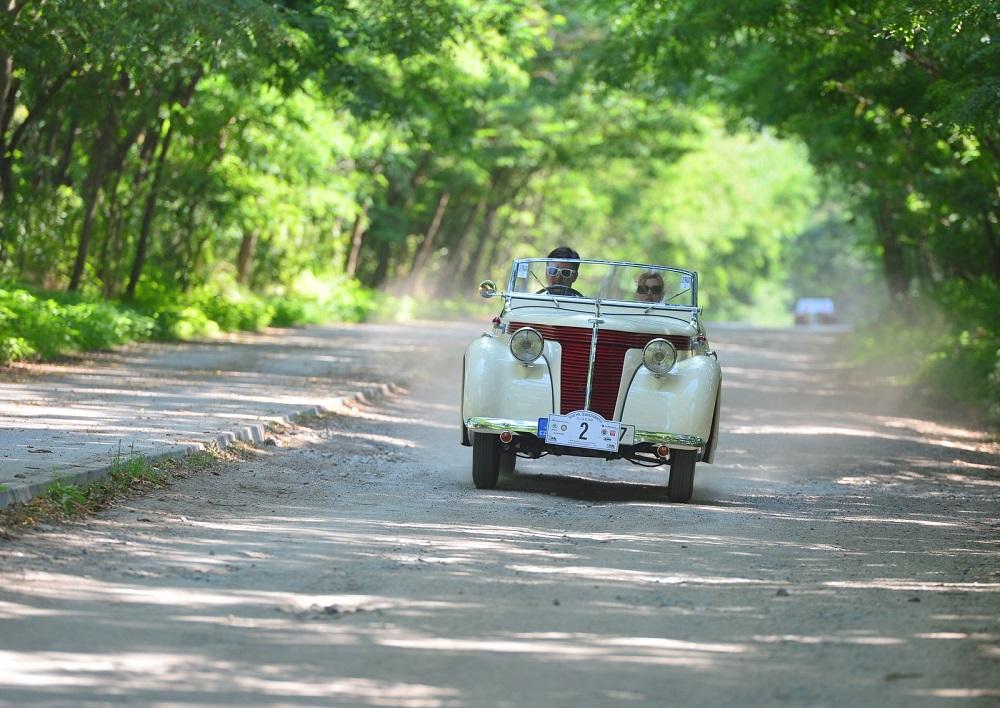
(501,424)
(671,439)
(692,442)
(593,355)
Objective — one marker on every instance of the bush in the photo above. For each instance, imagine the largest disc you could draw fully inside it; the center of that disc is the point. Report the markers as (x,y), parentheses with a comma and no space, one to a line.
(946,344)
(47,325)
(288,312)
(38,324)
(183,322)
(313,299)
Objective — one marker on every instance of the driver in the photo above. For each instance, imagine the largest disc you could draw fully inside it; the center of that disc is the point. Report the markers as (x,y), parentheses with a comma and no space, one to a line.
(562,274)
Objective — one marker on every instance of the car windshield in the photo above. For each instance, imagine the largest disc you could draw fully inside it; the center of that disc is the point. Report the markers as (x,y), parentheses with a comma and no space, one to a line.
(603,280)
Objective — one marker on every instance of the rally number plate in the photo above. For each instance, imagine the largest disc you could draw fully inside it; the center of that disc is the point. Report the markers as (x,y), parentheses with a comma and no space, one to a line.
(581,429)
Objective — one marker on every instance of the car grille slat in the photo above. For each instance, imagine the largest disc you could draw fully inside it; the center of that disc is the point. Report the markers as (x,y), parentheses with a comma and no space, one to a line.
(608,362)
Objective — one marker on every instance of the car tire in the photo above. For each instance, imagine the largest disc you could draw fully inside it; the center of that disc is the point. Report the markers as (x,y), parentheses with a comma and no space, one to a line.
(485,460)
(508,461)
(681,484)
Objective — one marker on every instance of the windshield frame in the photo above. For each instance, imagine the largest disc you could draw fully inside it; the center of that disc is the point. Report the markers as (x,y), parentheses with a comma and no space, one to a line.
(549,297)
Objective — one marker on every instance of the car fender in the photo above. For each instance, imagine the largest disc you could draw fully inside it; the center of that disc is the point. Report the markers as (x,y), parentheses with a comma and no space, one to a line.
(466,440)
(682,401)
(713,438)
(496,385)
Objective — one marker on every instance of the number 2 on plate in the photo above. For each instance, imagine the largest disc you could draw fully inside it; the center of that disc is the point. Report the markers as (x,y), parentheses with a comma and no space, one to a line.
(583,431)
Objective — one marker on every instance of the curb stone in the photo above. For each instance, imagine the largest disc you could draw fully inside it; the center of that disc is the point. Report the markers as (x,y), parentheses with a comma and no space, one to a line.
(254,434)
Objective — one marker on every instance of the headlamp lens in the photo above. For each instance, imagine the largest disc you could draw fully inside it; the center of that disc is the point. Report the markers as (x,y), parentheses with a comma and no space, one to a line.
(659,356)
(526,345)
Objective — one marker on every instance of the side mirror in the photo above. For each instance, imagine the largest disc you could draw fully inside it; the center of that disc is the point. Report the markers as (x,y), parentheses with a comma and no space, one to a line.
(487,289)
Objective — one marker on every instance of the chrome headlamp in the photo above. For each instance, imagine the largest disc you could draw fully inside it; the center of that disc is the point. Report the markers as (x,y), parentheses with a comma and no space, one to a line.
(526,345)
(659,356)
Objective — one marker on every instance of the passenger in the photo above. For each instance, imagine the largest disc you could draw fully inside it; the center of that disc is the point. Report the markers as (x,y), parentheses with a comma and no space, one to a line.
(649,287)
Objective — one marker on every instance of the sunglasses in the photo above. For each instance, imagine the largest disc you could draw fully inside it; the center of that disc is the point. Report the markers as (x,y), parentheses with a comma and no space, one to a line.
(649,290)
(564,272)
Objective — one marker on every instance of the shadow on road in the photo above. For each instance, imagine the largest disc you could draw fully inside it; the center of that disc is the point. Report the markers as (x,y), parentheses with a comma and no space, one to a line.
(584,488)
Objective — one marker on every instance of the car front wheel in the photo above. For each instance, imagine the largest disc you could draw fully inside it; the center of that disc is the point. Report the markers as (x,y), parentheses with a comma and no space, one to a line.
(681,483)
(485,460)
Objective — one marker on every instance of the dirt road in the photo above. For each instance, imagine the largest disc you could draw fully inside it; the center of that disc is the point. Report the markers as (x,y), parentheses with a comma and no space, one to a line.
(838,553)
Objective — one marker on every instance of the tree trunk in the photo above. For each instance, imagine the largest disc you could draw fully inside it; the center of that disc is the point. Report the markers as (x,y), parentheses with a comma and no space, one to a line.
(381,273)
(66,155)
(461,235)
(6,95)
(427,247)
(499,236)
(90,192)
(110,245)
(357,238)
(499,181)
(9,147)
(114,163)
(893,261)
(485,239)
(244,260)
(992,244)
(148,210)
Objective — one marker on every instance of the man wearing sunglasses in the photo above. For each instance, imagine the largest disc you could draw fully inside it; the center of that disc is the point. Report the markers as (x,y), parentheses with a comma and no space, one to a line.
(562,274)
(649,287)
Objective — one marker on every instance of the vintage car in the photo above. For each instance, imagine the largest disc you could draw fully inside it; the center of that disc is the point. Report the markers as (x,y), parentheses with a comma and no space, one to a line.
(594,359)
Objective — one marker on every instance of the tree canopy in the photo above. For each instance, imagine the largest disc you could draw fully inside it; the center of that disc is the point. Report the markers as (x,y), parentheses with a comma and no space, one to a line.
(780,148)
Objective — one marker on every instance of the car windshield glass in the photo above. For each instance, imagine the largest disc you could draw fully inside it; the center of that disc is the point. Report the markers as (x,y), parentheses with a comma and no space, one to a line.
(624,282)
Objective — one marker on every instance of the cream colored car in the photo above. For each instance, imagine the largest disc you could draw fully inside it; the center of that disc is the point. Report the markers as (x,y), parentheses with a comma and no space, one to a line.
(596,359)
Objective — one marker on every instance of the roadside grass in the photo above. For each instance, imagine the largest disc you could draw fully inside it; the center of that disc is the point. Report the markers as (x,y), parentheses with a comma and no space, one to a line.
(129,476)
(38,324)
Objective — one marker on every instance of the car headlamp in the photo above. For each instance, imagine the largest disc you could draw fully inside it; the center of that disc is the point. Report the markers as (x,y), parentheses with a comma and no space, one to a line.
(659,356)
(526,345)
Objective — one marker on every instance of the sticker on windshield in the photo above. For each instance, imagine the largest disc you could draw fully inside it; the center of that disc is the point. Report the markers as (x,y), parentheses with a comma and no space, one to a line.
(522,270)
(685,281)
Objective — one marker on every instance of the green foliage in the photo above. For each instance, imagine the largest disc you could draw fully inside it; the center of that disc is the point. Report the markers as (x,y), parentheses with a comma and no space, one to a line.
(963,365)
(232,311)
(35,324)
(69,498)
(201,160)
(288,312)
(50,325)
(176,321)
(317,299)
(126,470)
(945,343)
(61,500)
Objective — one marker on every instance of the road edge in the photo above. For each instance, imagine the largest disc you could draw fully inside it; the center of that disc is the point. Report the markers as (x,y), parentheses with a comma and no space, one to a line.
(255,433)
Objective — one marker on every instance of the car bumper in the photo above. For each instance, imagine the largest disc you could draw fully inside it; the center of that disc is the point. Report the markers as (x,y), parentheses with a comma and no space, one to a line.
(498,425)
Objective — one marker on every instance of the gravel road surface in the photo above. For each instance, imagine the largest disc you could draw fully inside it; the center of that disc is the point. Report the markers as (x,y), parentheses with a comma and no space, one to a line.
(68,420)
(839,552)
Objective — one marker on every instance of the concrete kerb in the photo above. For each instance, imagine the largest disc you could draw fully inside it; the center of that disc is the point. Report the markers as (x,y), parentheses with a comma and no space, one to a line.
(255,433)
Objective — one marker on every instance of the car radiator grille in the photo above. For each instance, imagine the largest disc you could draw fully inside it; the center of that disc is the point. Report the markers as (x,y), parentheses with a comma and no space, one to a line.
(608,362)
